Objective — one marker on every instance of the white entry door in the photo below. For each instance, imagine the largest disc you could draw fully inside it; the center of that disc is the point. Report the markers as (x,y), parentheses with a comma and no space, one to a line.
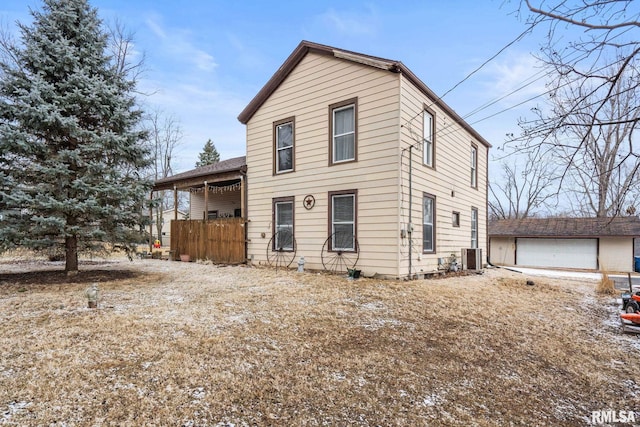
(559,253)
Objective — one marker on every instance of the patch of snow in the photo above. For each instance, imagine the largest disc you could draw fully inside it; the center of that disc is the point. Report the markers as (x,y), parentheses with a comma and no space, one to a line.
(339,376)
(198,393)
(13,408)
(373,306)
(556,273)
(376,324)
(432,400)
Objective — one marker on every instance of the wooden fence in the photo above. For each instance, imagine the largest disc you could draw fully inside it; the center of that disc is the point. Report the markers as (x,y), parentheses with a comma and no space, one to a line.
(220,240)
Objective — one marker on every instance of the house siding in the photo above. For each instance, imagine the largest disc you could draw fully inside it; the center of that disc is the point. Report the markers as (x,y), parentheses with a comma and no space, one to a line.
(317,82)
(225,202)
(449,181)
(167,217)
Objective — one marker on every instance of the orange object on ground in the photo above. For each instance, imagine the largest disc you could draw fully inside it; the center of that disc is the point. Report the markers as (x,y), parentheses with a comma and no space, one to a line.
(633,317)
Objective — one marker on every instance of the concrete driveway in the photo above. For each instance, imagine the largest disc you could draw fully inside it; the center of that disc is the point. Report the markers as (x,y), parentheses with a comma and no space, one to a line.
(621,280)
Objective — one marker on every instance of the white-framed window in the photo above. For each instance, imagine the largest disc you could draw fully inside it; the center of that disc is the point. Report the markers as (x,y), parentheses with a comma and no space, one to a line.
(343,221)
(474,166)
(427,135)
(474,227)
(283,222)
(343,118)
(284,145)
(428,223)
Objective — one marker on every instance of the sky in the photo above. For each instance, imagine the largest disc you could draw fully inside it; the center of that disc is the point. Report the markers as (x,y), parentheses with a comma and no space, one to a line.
(205,60)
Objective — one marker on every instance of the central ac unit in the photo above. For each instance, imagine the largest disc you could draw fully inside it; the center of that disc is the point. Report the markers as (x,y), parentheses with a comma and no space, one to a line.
(472,259)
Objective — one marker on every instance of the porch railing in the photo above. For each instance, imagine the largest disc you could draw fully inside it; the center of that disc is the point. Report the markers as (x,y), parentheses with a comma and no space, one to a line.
(221,241)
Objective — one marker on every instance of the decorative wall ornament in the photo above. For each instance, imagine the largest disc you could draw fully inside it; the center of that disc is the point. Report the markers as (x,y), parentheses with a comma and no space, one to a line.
(309,202)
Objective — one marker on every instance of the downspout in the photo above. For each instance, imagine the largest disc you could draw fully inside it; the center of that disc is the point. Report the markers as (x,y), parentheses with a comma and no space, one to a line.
(486,204)
(410,225)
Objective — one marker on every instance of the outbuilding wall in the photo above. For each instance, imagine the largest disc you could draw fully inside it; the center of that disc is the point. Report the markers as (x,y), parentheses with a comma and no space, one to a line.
(616,254)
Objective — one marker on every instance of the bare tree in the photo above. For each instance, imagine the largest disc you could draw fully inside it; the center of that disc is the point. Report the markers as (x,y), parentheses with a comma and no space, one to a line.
(597,151)
(126,60)
(522,192)
(588,73)
(165,135)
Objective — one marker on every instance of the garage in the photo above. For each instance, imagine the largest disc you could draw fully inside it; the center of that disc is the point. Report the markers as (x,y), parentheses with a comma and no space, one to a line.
(558,253)
(605,244)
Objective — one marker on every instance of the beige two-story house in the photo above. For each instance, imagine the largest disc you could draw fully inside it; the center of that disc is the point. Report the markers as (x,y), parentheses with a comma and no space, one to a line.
(353,161)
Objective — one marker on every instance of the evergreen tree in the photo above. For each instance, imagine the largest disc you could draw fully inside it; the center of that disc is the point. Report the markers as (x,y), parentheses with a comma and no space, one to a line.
(209,155)
(70,144)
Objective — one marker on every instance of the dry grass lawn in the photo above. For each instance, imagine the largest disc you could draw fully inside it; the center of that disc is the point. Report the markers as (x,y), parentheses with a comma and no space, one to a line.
(190,344)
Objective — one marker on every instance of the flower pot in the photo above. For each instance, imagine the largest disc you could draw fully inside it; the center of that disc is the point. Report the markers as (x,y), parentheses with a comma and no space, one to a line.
(185,258)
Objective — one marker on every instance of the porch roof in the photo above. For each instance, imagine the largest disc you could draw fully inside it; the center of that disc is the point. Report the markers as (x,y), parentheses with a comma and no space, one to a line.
(226,170)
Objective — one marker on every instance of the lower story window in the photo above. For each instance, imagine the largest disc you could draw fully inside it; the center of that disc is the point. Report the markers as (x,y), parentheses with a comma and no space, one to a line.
(283,220)
(474,228)
(343,221)
(428,225)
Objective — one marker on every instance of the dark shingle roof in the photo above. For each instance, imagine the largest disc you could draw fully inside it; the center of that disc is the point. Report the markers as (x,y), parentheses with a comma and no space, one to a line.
(566,227)
(230,165)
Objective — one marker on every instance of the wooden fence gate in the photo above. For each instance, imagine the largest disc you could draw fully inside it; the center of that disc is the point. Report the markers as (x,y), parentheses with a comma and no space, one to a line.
(220,240)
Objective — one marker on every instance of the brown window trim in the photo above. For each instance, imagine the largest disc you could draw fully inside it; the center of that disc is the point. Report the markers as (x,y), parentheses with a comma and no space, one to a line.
(426,108)
(332,107)
(476,171)
(274,201)
(354,193)
(433,197)
(291,120)
(455,214)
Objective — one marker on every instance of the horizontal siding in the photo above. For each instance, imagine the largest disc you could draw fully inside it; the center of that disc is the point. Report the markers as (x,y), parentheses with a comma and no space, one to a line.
(225,203)
(317,82)
(449,182)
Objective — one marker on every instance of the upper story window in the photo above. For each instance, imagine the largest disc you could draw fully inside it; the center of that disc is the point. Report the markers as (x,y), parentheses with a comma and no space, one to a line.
(474,166)
(283,136)
(428,138)
(343,119)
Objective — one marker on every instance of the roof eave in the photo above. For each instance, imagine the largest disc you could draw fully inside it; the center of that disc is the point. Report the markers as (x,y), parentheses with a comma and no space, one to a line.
(385,64)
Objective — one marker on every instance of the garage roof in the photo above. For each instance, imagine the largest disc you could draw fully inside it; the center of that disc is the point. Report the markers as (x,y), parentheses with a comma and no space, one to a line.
(566,227)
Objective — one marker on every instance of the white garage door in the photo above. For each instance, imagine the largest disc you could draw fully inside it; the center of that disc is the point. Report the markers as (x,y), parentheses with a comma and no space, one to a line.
(562,253)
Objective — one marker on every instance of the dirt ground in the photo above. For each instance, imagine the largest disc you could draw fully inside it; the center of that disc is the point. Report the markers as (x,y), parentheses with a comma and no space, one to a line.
(191,344)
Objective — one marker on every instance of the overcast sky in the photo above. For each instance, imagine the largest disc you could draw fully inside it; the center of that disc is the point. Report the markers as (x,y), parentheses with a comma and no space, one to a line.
(207,59)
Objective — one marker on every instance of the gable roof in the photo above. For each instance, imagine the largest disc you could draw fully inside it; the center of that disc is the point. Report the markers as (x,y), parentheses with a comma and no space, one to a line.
(389,65)
(226,169)
(566,227)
